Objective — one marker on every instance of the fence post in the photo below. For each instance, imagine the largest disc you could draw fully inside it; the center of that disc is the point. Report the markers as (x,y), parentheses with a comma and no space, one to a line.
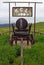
(21,51)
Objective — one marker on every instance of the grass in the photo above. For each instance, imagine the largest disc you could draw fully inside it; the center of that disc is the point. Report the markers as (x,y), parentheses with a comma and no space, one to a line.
(10,55)
(33,56)
(4,29)
(39,27)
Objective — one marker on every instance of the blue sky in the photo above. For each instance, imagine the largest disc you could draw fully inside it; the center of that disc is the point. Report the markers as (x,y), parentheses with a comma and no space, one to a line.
(4,11)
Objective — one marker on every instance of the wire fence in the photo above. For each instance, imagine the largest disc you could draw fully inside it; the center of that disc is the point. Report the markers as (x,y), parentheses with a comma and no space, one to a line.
(6,33)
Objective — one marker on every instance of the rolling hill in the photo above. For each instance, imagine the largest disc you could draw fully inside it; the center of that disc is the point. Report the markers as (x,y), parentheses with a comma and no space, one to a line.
(39,27)
(6,25)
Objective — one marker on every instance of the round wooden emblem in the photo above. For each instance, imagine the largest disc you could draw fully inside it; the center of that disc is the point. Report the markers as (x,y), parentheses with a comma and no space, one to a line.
(21,24)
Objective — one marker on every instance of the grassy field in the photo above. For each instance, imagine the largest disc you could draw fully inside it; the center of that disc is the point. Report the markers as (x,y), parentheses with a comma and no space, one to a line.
(39,27)
(10,55)
(4,29)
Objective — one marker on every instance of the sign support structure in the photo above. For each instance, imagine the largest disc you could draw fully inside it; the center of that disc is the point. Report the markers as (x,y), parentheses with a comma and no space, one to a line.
(34,24)
(9,20)
(34,18)
(34,12)
(22,60)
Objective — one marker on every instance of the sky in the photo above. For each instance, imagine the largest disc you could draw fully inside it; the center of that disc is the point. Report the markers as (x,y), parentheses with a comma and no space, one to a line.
(4,12)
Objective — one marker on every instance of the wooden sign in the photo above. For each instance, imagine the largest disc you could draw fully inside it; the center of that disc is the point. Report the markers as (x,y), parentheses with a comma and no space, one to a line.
(22,11)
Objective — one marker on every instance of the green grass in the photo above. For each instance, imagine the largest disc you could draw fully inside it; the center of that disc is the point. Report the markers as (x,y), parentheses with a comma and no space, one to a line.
(10,55)
(4,29)
(33,56)
(39,27)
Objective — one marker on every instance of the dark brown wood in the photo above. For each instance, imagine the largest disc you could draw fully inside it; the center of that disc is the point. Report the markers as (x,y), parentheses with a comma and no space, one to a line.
(21,24)
(13,27)
(27,40)
(22,32)
(16,40)
(19,38)
(30,25)
(23,2)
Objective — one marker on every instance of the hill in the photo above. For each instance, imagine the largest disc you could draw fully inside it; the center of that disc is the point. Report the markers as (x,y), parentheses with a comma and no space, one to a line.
(39,27)
(6,25)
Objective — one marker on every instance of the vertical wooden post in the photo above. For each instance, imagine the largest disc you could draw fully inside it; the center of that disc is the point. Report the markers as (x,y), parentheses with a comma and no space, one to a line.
(22,51)
(15,4)
(9,20)
(34,18)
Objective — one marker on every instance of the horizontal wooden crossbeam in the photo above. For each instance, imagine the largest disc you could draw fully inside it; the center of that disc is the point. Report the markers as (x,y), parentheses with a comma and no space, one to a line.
(23,2)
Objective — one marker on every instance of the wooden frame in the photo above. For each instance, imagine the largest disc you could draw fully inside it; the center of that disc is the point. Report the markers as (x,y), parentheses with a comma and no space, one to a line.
(34,23)
(34,12)
(26,11)
(23,2)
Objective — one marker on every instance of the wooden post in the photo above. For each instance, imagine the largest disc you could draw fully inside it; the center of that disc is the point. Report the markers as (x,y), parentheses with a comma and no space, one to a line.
(34,18)
(9,20)
(22,51)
